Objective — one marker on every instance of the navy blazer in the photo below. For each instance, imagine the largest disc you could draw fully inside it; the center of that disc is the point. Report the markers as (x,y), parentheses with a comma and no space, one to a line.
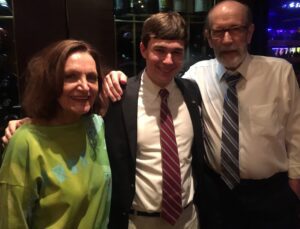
(121,140)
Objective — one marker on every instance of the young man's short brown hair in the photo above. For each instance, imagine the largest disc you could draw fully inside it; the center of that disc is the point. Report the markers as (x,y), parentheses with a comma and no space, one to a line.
(166,26)
(44,78)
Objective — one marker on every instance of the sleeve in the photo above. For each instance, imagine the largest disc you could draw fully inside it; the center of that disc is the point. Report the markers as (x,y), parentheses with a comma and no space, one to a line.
(107,174)
(190,72)
(105,202)
(16,195)
(293,125)
(103,148)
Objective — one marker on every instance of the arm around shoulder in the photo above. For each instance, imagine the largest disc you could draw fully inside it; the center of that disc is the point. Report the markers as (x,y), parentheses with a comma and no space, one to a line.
(12,126)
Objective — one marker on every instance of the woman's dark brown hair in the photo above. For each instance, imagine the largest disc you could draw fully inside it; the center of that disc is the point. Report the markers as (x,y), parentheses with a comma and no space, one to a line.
(44,78)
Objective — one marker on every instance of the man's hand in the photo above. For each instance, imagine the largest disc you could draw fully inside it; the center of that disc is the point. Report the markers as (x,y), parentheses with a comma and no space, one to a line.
(295,186)
(111,86)
(12,126)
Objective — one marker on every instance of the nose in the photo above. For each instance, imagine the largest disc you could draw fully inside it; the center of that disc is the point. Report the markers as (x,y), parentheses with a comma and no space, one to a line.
(83,84)
(227,38)
(168,59)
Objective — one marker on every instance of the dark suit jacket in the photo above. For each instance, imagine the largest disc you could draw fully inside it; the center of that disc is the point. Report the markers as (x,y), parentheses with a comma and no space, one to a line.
(121,140)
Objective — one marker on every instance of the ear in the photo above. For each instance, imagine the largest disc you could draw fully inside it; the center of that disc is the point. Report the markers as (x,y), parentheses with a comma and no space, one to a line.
(250,33)
(207,37)
(143,50)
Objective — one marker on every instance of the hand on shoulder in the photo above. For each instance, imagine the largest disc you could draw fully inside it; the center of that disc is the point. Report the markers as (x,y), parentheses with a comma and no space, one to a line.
(11,128)
(111,86)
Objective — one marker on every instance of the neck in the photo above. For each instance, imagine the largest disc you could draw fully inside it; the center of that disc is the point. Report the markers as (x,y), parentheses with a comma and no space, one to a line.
(54,121)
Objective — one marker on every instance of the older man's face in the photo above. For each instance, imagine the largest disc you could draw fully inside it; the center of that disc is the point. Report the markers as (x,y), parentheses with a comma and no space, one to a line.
(229,34)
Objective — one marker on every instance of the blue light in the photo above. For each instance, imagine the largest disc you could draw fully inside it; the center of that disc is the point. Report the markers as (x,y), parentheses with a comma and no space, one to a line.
(292,5)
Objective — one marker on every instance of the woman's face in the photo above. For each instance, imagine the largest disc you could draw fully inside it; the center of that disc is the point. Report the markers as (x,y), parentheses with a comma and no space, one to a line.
(80,87)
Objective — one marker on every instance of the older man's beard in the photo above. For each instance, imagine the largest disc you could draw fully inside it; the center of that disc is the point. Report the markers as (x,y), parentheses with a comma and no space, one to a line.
(230,62)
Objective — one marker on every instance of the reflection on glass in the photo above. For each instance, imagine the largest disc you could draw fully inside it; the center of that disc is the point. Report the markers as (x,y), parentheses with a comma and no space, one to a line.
(5,8)
(121,7)
(165,5)
(124,47)
(143,6)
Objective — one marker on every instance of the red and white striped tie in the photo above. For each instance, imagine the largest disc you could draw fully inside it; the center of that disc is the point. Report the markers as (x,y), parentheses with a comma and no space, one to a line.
(171,197)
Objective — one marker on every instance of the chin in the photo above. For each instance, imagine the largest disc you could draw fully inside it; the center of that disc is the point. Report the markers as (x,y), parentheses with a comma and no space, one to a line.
(231,63)
(85,111)
(82,110)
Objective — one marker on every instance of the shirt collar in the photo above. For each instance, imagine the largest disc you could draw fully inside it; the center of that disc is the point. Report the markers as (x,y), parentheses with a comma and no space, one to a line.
(220,70)
(151,90)
(242,69)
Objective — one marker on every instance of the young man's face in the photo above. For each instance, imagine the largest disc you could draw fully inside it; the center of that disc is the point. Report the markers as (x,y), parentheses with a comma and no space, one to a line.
(164,59)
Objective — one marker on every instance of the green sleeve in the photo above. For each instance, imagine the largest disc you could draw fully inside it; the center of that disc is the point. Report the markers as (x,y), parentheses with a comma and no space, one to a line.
(16,198)
(104,205)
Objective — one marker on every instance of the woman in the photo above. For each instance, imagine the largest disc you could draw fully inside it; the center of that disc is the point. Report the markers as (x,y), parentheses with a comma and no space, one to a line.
(55,171)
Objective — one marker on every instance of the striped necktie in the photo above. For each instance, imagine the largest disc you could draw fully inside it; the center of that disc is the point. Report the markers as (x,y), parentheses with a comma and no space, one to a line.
(171,193)
(230,172)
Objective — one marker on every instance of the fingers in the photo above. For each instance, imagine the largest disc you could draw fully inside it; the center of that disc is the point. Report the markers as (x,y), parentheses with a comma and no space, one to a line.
(111,85)
(22,121)
(109,90)
(123,78)
(5,139)
(7,135)
(11,128)
(295,186)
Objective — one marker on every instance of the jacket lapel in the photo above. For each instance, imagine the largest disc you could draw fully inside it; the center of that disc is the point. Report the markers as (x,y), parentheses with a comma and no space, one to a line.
(190,102)
(129,107)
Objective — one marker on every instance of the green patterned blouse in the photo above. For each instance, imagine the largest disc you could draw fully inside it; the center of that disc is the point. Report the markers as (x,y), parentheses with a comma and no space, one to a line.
(56,177)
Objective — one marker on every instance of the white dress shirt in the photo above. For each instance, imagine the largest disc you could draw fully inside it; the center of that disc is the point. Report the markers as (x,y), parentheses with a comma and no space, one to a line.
(149,161)
(269,114)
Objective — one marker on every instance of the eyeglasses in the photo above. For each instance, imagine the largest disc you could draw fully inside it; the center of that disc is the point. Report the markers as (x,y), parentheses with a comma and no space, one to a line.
(233,31)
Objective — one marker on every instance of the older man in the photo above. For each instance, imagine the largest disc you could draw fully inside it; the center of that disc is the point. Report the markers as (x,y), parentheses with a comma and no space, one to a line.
(252,167)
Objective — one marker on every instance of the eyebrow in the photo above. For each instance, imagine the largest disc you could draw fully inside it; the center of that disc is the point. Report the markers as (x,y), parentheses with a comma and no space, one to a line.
(228,27)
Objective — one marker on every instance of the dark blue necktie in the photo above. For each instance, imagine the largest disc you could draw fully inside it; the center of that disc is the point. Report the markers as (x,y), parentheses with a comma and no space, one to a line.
(230,172)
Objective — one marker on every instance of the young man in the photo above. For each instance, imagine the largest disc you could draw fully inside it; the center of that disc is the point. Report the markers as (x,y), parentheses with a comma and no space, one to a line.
(265,149)
(134,137)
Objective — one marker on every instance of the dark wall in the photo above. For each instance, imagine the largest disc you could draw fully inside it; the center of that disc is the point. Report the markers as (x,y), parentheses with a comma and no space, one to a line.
(260,19)
(259,10)
(92,20)
(38,23)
